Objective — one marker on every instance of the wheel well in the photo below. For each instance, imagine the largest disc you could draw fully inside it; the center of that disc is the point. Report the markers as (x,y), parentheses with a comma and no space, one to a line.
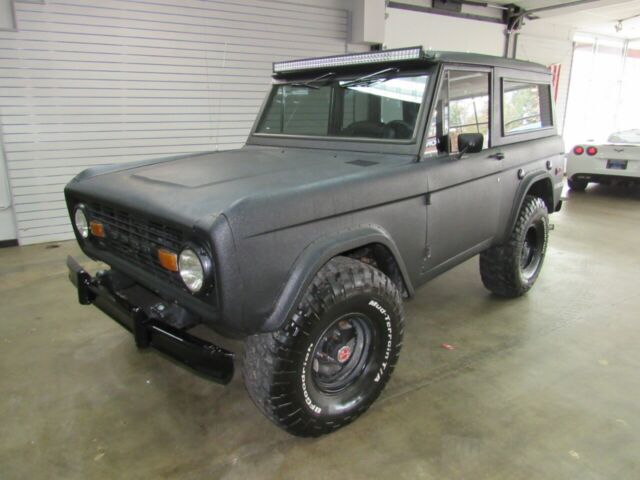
(380,257)
(543,190)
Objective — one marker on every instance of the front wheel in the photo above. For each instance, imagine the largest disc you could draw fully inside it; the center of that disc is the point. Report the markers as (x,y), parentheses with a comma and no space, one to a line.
(334,356)
(511,269)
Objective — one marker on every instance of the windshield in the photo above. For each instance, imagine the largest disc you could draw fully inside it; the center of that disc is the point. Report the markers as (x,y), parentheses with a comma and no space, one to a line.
(380,108)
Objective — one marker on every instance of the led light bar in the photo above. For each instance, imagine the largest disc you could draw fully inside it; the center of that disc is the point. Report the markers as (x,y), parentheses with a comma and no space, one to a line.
(399,54)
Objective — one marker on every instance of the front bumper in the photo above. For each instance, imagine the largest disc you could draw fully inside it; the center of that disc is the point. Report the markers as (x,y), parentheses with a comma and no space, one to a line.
(140,314)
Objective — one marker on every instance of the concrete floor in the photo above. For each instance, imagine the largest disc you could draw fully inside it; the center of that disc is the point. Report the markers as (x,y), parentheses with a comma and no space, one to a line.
(543,387)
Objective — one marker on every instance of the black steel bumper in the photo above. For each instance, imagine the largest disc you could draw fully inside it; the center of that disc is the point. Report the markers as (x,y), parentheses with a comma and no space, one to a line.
(204,357)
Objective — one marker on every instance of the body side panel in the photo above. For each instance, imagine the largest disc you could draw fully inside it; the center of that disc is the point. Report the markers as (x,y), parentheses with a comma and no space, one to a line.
(529,160)
(277,265)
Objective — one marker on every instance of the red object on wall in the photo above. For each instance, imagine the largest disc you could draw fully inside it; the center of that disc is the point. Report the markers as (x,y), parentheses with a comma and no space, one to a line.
(555,78)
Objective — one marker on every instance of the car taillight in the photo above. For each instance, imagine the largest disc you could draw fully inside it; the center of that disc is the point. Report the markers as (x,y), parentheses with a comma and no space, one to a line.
(578,150)
(592,151)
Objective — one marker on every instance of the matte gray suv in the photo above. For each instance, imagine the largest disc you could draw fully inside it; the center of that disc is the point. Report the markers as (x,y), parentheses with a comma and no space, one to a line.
(364,176)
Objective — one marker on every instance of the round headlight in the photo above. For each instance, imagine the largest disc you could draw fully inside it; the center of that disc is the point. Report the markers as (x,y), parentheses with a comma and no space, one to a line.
(80,220)
(191,270)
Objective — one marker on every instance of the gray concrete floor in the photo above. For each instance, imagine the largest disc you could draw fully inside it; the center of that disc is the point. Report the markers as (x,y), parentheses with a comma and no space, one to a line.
(545,387)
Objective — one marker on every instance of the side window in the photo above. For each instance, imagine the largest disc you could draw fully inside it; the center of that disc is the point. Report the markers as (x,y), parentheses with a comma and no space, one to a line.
(525,106)
(462,106)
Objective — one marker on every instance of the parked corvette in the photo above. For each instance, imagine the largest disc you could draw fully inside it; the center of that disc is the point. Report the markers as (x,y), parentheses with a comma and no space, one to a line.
(616,161)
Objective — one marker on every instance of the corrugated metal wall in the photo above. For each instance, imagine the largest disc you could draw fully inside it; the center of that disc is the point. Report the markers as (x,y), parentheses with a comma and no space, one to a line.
(86,83)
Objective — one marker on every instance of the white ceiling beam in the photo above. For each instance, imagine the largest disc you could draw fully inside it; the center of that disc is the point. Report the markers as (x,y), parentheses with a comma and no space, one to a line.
(368,21)
(571,6)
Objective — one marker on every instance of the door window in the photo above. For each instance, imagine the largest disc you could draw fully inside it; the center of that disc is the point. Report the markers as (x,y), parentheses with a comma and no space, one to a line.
(525,106)
(462,106)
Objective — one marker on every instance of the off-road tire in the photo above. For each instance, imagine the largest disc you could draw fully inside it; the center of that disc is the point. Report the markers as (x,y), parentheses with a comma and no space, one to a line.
(577,185)
(501,267)
(278,367)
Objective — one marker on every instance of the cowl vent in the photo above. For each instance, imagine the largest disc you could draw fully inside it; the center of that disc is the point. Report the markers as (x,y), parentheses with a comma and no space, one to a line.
(363,163)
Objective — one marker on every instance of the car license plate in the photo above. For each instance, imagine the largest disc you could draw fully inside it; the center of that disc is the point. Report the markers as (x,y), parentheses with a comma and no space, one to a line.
(617,164)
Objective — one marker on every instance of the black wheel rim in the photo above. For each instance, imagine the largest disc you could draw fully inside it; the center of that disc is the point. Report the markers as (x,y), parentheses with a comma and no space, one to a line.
(342,353)
(531,254)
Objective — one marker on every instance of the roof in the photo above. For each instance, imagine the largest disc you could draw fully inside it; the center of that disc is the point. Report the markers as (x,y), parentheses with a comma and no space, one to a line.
(489,60)
(406,57)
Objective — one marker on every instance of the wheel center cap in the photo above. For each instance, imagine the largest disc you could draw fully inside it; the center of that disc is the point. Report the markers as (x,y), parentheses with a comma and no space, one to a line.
(344,354)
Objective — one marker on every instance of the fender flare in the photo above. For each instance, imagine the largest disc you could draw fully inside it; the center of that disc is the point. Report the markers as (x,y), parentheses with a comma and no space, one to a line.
(315,256)
(521,192)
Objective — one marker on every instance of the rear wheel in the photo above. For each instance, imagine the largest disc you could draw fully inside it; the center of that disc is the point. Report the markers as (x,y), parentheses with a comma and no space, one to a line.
(577,185)
(511,269)
(335,355)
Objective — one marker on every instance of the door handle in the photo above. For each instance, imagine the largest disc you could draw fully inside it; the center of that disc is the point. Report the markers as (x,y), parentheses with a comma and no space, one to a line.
(497,156)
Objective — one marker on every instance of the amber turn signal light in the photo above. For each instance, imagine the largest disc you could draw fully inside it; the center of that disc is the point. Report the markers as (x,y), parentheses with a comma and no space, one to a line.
(97,229)
(168,260)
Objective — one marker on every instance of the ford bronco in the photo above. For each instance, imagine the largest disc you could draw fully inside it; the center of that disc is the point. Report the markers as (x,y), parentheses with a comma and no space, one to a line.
(364,176)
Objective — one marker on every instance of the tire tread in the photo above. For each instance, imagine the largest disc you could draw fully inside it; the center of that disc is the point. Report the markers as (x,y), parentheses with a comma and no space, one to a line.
(499,265)
(267,356)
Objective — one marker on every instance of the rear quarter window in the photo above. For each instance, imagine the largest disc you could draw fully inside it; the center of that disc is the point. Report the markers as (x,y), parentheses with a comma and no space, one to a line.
(526,106)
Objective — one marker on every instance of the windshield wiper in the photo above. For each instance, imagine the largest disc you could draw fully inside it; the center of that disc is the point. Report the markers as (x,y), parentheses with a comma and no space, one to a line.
(369,79)
(309,83)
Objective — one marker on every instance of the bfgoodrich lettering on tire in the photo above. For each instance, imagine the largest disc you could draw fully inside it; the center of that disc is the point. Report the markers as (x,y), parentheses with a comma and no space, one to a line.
(511,269)
(335,355)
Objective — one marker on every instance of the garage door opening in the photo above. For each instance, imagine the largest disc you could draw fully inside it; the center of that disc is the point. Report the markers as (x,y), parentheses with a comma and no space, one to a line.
(603,93)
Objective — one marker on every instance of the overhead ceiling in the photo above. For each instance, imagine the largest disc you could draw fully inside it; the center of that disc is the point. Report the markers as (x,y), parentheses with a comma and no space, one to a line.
(621,19)
(598,17)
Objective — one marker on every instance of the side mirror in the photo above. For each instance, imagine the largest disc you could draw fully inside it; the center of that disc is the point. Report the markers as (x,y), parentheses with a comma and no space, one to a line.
(470,142)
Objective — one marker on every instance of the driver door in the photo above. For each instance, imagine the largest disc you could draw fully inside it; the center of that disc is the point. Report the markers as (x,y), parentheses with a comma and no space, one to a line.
(464,188)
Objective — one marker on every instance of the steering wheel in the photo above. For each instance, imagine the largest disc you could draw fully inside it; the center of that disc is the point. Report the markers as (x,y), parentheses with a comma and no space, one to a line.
(398,129)
(364,128)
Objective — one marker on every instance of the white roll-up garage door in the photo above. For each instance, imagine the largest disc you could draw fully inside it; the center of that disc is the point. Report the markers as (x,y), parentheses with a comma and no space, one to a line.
(86,83)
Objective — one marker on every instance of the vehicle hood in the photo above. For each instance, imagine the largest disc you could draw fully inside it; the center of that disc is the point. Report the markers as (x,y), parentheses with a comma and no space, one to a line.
(258,188)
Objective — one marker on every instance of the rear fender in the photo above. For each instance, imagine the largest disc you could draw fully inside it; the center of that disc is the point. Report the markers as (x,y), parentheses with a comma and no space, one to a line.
(521,193)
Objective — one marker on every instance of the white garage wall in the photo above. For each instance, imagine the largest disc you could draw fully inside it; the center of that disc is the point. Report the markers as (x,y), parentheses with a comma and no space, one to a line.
(86,83)
(548,44)
(7,221)
(406,28)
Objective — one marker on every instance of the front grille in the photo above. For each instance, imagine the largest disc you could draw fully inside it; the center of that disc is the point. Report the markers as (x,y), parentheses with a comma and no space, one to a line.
(136,239)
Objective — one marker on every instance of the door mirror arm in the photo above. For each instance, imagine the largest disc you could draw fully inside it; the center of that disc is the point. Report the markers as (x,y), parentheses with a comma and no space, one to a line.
(462,152)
